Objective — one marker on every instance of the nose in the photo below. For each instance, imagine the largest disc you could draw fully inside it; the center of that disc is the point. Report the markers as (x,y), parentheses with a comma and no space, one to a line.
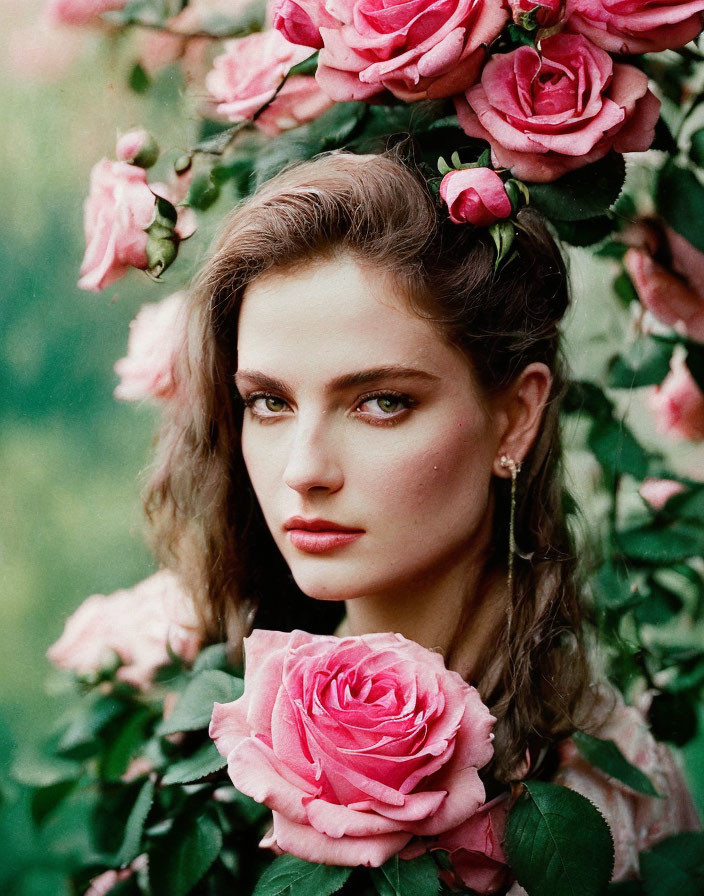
(313,463)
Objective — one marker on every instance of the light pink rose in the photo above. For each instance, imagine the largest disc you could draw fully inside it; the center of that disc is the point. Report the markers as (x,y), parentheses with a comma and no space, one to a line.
(636,26)
(118,208)
(80,12)
(300,100)
(548,12)
(417,50)
(475,196)
(157,335)
(249,72)
(657,492)
(674,294)
(678,403)
(356,744)
(547,113)
(136,624)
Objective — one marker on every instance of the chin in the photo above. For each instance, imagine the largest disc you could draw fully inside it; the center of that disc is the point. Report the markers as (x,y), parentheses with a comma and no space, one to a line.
(322,584)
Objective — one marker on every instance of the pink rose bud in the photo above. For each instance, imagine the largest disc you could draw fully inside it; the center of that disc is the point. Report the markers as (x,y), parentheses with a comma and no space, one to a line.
(475,196)
(357,744)
(296,22)
(247,75)
(80,12)
(636,26)
(157,336)
(137,147)
(547,12)
(137,624)
(657,492)
(678,403)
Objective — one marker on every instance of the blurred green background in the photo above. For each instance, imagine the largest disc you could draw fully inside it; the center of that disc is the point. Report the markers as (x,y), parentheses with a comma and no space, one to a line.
(70,455)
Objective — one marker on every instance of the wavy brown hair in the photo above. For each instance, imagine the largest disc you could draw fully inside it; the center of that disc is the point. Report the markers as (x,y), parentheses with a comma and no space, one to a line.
(204,519)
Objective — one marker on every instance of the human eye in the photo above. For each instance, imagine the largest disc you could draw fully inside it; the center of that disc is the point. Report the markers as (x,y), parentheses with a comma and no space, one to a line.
(265,405)
(384,407)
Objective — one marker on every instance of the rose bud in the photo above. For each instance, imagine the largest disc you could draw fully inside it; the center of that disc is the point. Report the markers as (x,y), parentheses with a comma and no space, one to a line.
(547,12)
(475,196)
(296,22)
(137,147)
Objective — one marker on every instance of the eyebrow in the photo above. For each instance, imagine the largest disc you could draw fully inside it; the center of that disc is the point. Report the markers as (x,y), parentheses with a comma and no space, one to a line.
(346,381)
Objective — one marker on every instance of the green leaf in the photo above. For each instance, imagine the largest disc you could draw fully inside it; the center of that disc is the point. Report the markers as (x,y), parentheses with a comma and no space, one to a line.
(675,867)
(212,657)
(80,737)
(309,66)
(696,148)
(645,362)
(626,888)
(203,191)
(661,545)
(673,718)
(399,877)
(123,743)
(204,762)
(291,876)
(183,856)
(138,79)
(617,449)
(680,201)
(695,362)
(584,233)
(195,708)
(557,842)
(586,193)
(503,234)
(46,799)
(605,755)
(131,845)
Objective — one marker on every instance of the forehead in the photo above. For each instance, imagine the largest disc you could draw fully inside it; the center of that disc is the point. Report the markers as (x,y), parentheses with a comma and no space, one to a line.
(333,314)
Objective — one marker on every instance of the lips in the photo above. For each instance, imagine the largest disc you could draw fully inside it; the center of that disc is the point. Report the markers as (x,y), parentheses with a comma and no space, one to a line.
(317,536)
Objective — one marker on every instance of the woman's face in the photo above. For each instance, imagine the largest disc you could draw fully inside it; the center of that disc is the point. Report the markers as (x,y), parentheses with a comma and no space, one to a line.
(365,436)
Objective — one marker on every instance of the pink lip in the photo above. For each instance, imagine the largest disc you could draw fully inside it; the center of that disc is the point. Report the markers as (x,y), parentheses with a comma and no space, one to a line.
(317,536)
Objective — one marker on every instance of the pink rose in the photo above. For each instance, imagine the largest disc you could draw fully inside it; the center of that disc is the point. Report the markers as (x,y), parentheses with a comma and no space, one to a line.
(673,294)
(475,196)
(356,744)
(475,847)
(137,624)
(678,403)
(80,12)
(137,147)
(636,26)
(157,335)
(548,12)
(249,72)
(547,113)
(657,492)
(300,100)
(417,50)
(118,208)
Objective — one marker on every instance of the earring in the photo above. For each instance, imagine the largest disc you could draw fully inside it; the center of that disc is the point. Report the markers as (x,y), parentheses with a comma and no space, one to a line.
(508,463)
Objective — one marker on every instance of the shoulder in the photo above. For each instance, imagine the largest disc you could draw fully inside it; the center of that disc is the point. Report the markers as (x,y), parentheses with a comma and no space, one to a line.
(637,821)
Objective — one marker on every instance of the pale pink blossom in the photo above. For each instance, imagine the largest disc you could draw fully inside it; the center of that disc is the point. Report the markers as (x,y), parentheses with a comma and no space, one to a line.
(657,492)
(356,744)
(247,75)
(475,196)
(636,26)
(80,12)
(299,101)
(678,403)
(136,624)
(157,335)
(551,111)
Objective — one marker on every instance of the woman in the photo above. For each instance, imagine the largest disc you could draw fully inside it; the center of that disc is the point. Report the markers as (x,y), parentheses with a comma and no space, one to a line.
(366,400)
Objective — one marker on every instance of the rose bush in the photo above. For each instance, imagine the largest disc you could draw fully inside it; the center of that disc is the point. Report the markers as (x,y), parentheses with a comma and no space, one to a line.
(356,744)
(678,403)
(135,623)
(249,72)
(636,26)
(475,196)
(157,335)
(420,50)
(546,113)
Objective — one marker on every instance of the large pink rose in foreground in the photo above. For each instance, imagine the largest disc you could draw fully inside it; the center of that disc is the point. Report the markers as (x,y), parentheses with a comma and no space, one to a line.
(475,196)
(678,403)
(637,26)
(547,113)
(135,623)
(249,72)
(118,208)
(157,335)
(80,12)
(356,744)
(417,49)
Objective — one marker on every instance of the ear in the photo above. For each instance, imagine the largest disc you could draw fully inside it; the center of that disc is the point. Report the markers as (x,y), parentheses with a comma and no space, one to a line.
(522,407)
